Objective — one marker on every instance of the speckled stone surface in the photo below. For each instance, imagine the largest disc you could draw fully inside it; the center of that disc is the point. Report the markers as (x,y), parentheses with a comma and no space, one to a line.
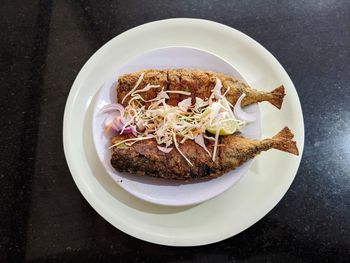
(43,216)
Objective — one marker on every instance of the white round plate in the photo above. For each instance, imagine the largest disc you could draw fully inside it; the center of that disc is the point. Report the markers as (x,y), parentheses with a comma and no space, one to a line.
(155,190)
(236,209)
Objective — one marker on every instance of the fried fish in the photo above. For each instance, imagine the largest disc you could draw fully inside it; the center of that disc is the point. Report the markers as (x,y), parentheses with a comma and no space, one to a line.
(144,158)
(198,82)
(191,159)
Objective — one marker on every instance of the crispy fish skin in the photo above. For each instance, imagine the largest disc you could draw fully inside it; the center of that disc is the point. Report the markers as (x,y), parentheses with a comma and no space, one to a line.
(237,88)
(144,158)
(236,149)
(127,82)
(199,83)
(174,83)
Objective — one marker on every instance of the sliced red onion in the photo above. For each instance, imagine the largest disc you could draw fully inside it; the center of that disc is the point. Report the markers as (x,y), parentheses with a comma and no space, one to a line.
(109,120)
(184,104)
(164,149)
(123,120)
(110,132)
(117,125)
(115,122)
(112,124)
(133,131)
(200,141)
(113,107)
(240,114)
(109,127)
(127,130)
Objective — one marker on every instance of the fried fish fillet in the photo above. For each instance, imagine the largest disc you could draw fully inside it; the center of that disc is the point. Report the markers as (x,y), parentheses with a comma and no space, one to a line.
(127,82)
(198,82)
(144,158)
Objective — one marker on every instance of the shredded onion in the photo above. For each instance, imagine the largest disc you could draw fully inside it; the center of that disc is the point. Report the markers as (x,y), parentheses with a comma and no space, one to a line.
(209,138)
(179,92)
(228,109)
(184,104)
(164,149)
(240,114)
(140,125)
(217,89)
(200,141)
(147,88)
(215,108)
(131,140)
(136,85)
(227,91)
(199,102)
(178,149)
(216,143)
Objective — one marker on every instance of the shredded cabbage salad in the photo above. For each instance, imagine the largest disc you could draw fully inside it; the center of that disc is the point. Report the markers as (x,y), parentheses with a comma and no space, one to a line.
(171,126)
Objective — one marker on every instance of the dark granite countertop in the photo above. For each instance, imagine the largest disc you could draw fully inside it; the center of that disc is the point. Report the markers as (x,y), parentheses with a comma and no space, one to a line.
(43,216)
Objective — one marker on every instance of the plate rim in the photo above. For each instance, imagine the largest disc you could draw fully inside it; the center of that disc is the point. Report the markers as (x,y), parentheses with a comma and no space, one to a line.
(122,226)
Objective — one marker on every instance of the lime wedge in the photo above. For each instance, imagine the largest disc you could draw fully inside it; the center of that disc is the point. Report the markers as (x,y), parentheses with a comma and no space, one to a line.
(226,127)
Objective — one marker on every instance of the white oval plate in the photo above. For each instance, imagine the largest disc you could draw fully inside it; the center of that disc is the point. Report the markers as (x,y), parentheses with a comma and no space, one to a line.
(236,209)
(155,190)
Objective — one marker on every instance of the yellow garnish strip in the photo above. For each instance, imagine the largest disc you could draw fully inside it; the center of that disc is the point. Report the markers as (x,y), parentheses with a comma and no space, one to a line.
(136,85)
(178,149)
(129,140)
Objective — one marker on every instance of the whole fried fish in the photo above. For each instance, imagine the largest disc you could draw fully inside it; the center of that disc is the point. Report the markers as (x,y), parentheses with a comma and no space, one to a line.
(144,158)
(198,82)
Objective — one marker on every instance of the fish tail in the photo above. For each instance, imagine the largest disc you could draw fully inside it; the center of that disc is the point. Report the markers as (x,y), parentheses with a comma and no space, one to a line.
(277,95)
(283,141)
